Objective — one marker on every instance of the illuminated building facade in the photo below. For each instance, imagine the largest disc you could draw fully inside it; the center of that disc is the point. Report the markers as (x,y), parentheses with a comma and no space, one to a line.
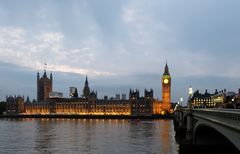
(157,107)
(205,100)
(227,99)
(50,102)
(219,99)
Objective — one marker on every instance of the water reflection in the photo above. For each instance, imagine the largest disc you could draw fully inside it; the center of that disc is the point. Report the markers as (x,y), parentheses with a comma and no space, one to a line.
(87,136)
(44,136)
(165,137)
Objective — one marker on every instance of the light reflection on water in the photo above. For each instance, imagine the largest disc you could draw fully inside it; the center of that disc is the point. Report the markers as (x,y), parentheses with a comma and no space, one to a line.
(86,136)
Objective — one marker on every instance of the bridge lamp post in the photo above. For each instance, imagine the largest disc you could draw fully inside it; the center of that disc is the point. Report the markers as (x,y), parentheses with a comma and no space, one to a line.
(190,92)
(181,101)
(189,129)
(233,103)
(177,106)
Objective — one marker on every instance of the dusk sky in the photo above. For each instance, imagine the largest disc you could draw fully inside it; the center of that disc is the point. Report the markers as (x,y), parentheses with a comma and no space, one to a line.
(120,44)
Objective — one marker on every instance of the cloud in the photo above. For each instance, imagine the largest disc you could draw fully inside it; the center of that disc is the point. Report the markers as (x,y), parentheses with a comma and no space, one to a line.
(113,40)
(137,36)
(195,43)
(28,49)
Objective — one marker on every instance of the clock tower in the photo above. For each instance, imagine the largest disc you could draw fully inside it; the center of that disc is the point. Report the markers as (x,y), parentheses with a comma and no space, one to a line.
(166,90)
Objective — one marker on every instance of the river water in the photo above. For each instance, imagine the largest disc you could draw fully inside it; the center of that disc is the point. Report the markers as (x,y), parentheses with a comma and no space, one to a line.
(87,136)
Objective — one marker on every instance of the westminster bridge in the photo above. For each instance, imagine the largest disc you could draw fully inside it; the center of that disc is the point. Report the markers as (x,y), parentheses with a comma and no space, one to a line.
(209,127)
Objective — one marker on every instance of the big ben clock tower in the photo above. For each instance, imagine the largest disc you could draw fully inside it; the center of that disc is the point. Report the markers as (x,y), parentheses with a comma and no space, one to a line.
(166,90)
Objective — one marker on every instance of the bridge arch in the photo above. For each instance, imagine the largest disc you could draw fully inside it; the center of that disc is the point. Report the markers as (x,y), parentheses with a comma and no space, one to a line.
(208,133)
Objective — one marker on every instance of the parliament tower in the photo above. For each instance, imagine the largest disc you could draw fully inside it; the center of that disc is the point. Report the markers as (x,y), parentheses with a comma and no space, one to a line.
(44,86)
(166,90)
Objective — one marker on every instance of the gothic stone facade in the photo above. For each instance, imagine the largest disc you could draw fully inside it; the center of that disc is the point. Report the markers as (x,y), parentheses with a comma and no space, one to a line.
(135,106)
(89,104)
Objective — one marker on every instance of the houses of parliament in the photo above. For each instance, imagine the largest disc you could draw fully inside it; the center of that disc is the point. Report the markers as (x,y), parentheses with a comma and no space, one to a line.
(50,102)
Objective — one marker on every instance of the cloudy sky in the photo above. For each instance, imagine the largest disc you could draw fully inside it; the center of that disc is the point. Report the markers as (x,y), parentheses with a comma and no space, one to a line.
(120,45)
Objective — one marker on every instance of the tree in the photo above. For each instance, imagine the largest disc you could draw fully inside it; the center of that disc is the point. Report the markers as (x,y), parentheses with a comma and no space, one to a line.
(2,107)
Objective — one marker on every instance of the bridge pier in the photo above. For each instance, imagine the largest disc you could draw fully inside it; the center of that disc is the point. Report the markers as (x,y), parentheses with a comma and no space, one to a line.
(180,123)
(179,127)
(189,129)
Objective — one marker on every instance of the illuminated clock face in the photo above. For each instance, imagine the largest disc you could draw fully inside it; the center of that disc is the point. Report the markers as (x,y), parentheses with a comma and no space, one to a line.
(165,81)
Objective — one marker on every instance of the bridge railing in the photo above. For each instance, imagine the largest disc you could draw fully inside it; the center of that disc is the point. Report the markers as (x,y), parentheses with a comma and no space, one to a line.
(230,117)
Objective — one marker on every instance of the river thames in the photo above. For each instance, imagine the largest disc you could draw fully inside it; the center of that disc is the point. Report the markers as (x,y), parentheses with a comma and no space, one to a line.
(87,136)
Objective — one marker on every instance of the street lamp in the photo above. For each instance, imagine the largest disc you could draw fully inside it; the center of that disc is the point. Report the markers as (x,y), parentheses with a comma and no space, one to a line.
(181,100)
(233,103)
(190,92)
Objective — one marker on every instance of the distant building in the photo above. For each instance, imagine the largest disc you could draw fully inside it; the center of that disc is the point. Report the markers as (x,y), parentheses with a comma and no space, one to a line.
(124,97)
(50,102)
(218,99)
(227,99)
(236,100)
(204,100)
(15,104)
(44,87)
(55,94)
(73,93)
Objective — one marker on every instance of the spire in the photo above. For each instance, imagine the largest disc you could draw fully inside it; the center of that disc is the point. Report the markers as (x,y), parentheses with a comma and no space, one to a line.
(86,89)
(86,81)
(44,74)
(28,100)
(166,71)
(38,75)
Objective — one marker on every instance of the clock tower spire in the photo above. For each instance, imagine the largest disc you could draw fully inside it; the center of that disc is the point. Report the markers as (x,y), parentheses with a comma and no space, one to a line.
(166,70)
(166,89)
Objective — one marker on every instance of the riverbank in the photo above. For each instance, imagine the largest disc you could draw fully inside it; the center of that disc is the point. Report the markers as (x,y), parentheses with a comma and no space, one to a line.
(72,116)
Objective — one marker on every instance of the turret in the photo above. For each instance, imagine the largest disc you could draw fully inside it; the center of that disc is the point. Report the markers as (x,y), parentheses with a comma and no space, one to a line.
(38,76)
(44,74)
(206,91)
(148,94)
(134,94)
(28,100)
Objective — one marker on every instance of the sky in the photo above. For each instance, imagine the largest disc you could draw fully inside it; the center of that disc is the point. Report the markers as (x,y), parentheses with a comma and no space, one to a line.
(120,45)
